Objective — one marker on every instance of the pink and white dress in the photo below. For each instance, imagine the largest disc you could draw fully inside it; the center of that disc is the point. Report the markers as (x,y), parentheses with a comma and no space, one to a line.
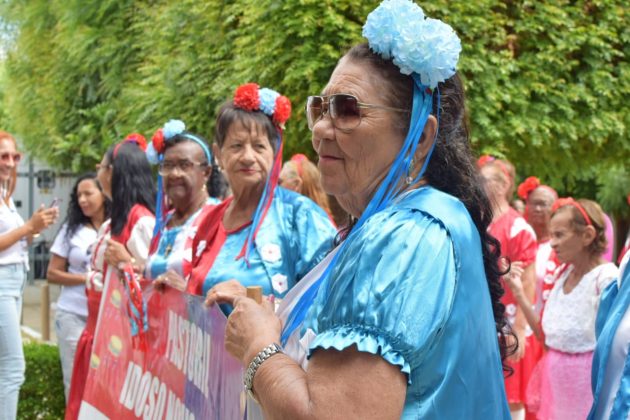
(569,327)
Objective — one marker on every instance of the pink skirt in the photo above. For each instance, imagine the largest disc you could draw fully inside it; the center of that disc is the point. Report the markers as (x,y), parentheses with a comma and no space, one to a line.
(560,386)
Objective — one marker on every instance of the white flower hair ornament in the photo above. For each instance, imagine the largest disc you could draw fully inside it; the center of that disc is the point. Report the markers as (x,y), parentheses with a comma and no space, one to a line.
(399,30)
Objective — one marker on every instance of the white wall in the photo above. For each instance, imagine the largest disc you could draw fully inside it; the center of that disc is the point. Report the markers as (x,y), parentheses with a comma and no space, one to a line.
(21,197)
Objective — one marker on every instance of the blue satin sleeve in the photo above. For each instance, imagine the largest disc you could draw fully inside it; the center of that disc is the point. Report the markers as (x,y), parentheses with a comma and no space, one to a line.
(313,236)
(606,302)
(392,291)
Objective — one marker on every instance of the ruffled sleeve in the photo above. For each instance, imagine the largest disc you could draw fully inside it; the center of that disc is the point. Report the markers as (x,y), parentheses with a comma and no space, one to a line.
(392,290)
(312,238)
(140,238)
(609,273)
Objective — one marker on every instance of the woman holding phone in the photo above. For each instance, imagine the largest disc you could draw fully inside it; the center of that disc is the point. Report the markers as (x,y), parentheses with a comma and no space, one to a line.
(15,235)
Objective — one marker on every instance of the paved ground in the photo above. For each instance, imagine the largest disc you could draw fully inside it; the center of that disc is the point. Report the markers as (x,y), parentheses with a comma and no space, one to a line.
(32,318)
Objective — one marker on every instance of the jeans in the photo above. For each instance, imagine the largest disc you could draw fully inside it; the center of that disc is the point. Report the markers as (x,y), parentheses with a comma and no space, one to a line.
(12,279)
(69,327)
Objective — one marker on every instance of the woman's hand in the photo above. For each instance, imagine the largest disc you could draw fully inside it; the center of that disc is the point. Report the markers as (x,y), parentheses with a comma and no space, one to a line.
(251,326)
(513,278)
(511,341)
(172,279)
(43,218)
(116,255)
(230,288)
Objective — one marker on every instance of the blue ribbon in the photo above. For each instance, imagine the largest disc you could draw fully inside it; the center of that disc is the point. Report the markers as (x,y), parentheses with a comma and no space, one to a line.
(389,189)
(256,220)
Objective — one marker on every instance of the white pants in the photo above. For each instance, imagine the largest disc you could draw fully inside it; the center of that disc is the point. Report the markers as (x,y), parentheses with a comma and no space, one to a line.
(69,327)
(12,280)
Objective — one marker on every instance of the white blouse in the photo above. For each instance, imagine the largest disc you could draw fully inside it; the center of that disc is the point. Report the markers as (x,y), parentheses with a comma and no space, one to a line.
(76,252)
(137,244)
(10,220)
(569,318)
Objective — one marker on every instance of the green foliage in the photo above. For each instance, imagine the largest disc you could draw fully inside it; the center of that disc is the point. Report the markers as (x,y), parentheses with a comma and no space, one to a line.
(547,81)
(41,395)
(4,118)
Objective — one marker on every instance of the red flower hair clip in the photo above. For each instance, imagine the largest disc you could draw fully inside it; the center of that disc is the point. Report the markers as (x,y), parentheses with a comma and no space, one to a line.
(137,139)
(283,110)
(484,160)
(246,97)
(527,186)
(158,141)
(134,138)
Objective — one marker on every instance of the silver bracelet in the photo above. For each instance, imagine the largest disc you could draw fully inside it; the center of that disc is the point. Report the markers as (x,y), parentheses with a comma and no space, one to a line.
(262,355)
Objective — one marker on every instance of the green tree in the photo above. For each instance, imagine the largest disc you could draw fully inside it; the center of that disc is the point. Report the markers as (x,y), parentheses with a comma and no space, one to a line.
(546,81)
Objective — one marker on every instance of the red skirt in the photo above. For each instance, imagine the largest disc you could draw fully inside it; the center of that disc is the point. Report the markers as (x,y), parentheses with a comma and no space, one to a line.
(82,357)
(516,384)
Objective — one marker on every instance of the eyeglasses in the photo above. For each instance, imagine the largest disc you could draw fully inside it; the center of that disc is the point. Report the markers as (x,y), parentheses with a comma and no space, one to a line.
(184,166)
(344,110)
(6,156)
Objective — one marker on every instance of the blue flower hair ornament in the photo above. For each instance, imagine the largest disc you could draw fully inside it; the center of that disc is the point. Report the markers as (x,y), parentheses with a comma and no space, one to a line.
(399,30)
(171,129)
(155,154)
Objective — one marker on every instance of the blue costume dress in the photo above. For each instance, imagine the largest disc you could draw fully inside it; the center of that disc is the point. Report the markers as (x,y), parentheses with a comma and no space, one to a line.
(173,250)
(295,235)
(611,400)
(411,288)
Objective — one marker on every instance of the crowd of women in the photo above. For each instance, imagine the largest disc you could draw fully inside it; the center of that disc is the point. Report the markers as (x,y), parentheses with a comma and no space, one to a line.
(433,299)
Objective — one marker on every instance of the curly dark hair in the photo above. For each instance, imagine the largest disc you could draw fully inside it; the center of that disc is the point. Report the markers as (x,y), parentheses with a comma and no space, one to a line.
(452,168)
(132,183)
(74,216)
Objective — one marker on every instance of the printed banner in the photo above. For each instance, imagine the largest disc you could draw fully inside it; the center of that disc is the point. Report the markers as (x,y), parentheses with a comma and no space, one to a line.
(179,368)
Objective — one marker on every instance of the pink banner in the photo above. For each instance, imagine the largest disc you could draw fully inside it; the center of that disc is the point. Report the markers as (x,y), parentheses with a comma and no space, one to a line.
(178,369)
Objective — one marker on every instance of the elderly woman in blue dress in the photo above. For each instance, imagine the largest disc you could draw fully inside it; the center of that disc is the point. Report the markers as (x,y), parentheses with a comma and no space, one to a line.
(263,235)
(611,360)
(185,164)
(403,318)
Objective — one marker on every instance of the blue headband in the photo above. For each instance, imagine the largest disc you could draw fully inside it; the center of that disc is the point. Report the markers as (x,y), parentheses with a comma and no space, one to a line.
(172,128)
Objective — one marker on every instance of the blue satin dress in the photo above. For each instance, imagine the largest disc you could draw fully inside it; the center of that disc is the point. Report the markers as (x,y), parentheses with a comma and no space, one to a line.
(295,235)
(613,305)
(411,288)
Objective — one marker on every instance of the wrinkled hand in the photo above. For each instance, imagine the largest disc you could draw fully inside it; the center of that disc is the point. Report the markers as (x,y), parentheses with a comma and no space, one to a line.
(43,218)
(116,255)
(230,288)
(172,279)
(251,327)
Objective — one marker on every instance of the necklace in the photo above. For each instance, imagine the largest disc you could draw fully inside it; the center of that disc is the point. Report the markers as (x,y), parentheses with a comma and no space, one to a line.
(168,250)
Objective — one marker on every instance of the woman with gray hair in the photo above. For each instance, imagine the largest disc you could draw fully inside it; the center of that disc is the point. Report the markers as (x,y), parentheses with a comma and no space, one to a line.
(402,318)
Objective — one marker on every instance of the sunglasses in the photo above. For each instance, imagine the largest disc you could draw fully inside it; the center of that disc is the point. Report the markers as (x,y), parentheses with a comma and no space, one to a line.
(344,110)
(5,157)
